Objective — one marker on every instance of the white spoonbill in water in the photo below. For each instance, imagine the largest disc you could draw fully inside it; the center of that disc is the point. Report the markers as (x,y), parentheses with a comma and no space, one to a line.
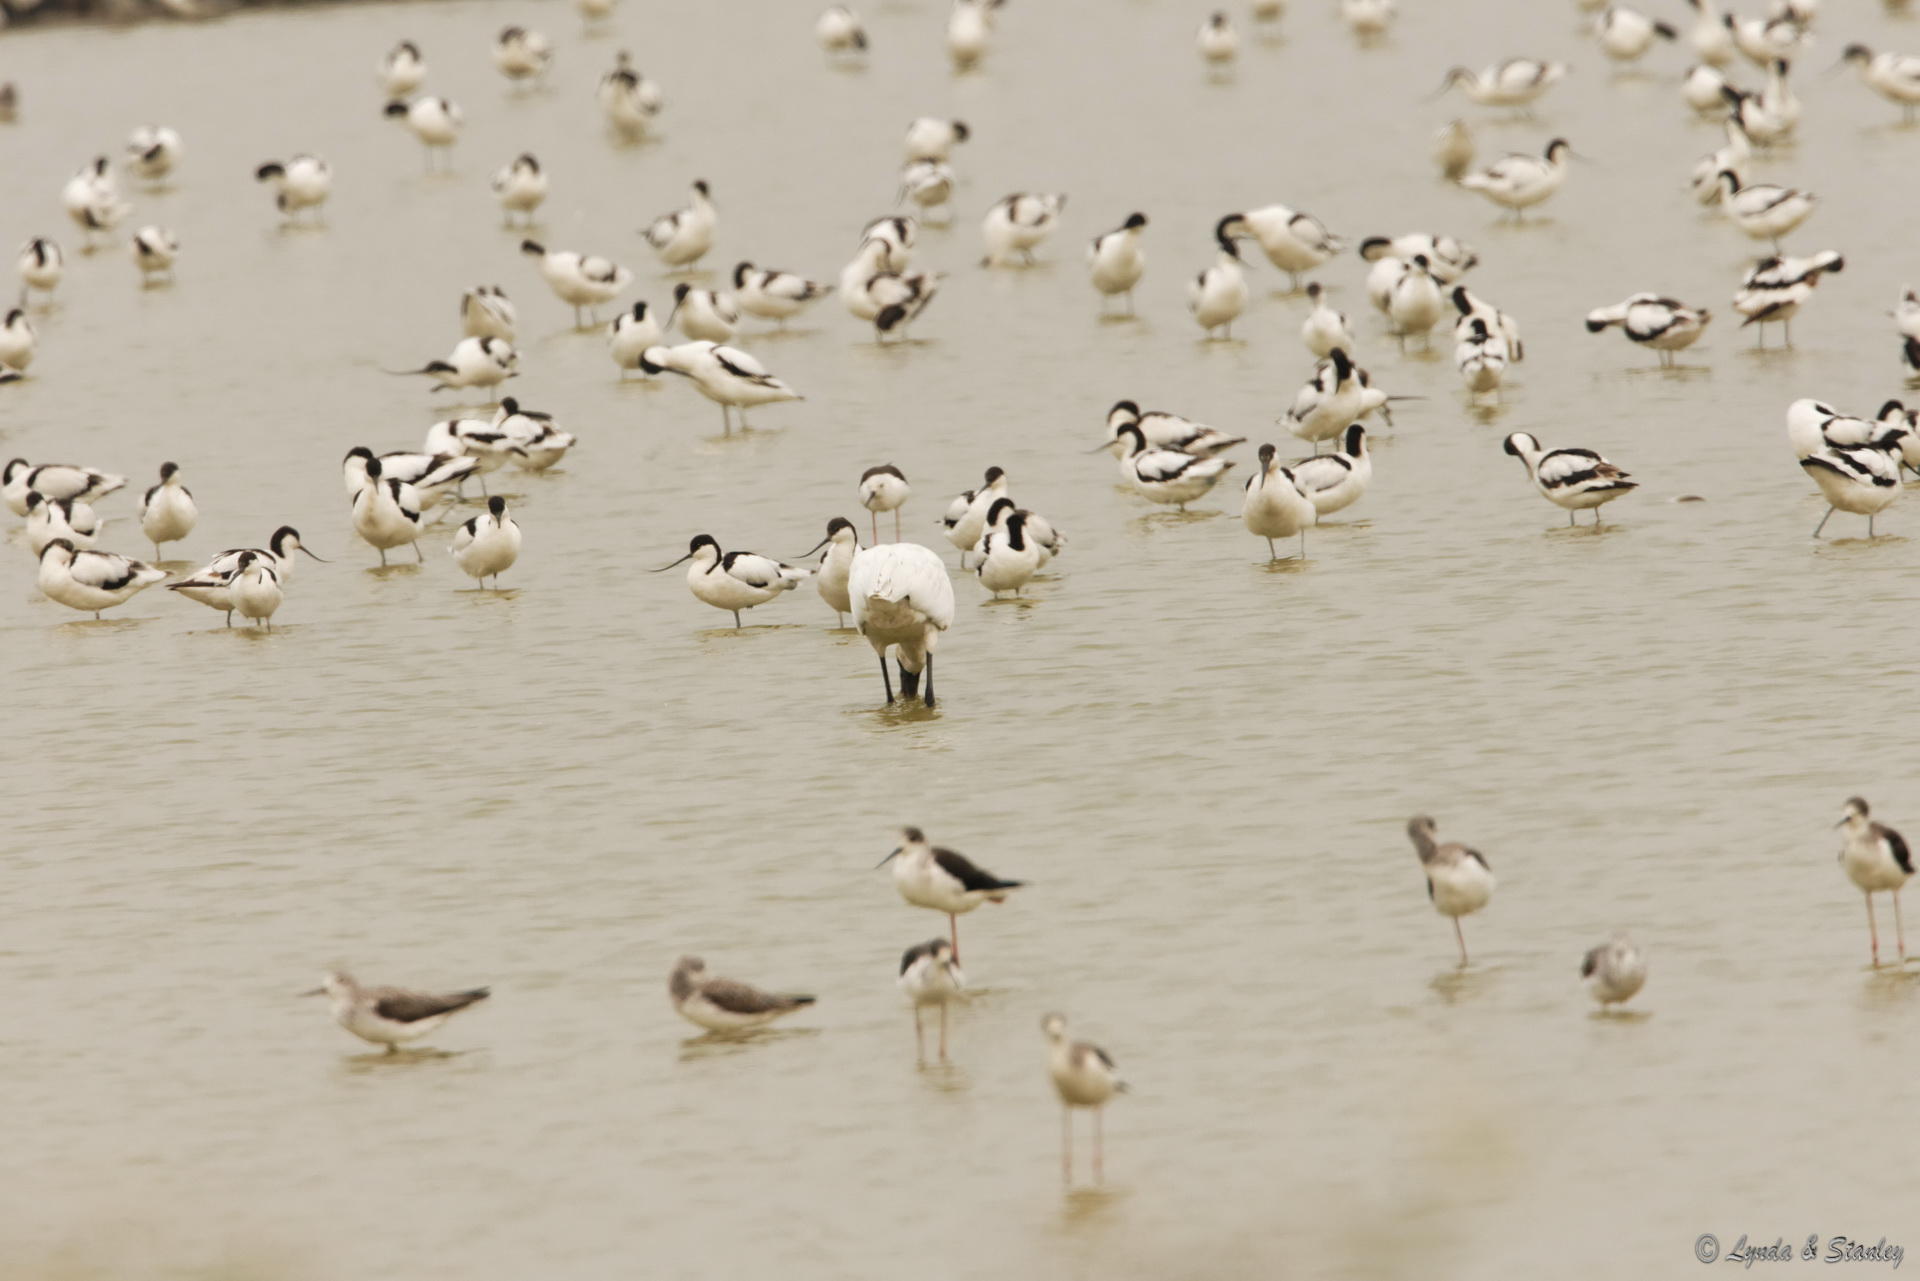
(902,600)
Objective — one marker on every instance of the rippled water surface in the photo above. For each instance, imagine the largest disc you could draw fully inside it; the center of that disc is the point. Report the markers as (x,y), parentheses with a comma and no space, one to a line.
(1202,764)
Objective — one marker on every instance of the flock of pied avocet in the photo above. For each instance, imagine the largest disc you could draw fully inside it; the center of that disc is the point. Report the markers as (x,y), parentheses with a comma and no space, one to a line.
(900,594)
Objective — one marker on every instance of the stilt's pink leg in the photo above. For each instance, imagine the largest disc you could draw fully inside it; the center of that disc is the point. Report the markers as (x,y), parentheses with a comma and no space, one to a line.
(1873,931)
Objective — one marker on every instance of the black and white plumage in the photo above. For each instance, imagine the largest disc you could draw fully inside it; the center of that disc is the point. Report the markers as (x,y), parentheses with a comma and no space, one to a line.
(1861,479)
(1518,182)
(386,513)
(629,99)
(734,581)
(434,121)
(1218,39)
(933,138)
(1338,394)
(68,518)
(434,475)
(403,70)
(1447,258)
(1764,211)
(1471,307)
(1766,39)
(1626,34)
(774,295)
(1336,481)
(520,186)
(929,975)
(727,376)
(1875,858)
(1325,327)
(966,516)
(1894,76)
(1275,505)
(1009,556)
(1614,971)
(1083,1076)
(92,199)
(167,510)
(91,581)
(303,182)
(154,251)
(1459,881)
(884,489)
(153,151)
(943,880)
(53,480)
(42,266)
(1906,319)
(1516,82)
(724,1005)
(840,31)
(883,294)
(1575,479)
(1218,295)
(487,312)
(1115,261)
(18,343)
(521,54)
(835,570)
(682,238)
(579,280)
(1814,425)
(1048,541)
(631,333)
(256,591)
(487,545)
(390,1016)
(481,363)
(1165,475)
(1481,357)
(212,584)
(1293,240)
(533,439)
(1774,290)
(1664,324)
(1017,224)
(902,601)
(1731,155)
(929,184)
(1415,303)
(705,315)
(1166,431)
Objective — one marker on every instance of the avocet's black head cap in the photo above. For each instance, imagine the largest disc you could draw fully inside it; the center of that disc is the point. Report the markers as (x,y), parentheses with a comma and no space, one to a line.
(497,505)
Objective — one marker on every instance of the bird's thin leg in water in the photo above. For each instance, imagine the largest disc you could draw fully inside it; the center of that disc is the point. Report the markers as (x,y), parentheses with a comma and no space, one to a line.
(886,679)
(953,924)
(929,698)
(1460,934)
(943,1030)
(919,1040)
(1823,521)
(1099,1166)
(1899,930)
(1873,931)
(1066,1145)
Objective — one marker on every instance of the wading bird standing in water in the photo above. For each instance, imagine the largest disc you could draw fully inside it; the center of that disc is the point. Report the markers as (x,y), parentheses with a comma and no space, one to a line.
(1458,878)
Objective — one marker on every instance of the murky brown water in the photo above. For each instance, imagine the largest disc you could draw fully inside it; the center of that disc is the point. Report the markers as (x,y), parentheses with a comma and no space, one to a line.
(1201,765)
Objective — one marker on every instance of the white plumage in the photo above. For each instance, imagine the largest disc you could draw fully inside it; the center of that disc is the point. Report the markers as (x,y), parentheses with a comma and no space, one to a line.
(902,600)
